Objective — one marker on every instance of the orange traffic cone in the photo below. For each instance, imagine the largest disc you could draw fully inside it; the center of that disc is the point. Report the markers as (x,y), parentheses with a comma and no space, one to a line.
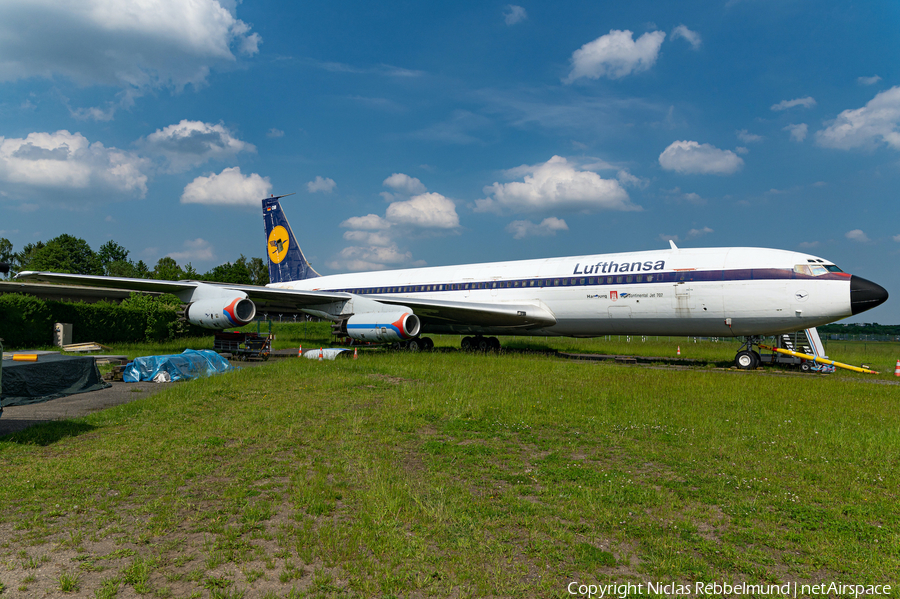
(679,350)
(897,369)
(320,354)
(300,351)
(354,354)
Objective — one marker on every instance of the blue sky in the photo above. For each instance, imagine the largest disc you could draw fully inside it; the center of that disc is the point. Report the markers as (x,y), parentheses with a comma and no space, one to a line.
(417,134)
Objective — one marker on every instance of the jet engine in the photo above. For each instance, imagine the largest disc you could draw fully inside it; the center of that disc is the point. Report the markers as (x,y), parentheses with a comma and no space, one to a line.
(383,326)
(220,313)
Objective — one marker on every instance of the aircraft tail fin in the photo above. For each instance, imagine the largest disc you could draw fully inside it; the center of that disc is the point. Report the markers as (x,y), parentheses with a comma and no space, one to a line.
(286,260)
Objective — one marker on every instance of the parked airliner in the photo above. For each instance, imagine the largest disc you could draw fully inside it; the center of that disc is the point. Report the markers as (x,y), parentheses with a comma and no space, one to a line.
(723,292)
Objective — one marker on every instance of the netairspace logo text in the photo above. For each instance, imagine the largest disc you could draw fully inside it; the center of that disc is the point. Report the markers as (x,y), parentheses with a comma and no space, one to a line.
(699,589)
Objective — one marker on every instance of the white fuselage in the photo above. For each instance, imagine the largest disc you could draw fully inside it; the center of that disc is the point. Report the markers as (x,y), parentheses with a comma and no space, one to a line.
(711,292)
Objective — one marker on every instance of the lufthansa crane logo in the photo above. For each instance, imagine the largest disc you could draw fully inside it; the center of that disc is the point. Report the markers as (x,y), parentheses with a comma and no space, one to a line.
(278,244)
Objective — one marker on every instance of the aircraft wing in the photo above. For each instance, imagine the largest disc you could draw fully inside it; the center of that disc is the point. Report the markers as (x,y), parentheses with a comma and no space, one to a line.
(266,295)
(433,311)
(477,314)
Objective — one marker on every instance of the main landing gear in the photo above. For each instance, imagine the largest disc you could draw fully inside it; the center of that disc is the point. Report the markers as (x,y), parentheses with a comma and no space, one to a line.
(480,343)
(747,358)
(415,344)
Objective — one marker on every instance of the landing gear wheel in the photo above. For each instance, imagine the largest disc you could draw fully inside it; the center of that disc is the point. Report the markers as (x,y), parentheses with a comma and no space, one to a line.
(427,343)
(805,367)
(467,344)
(494,343)
(746,360)
(482,344)
(414,345)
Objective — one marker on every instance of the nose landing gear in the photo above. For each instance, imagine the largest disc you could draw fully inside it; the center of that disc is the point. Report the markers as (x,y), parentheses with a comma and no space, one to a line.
(747,358)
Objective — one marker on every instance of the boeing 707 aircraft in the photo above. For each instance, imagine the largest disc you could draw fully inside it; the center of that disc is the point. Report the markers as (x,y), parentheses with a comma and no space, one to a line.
(722,292)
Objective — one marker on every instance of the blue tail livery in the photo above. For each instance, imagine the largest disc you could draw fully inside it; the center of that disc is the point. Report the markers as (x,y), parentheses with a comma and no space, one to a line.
(286,261)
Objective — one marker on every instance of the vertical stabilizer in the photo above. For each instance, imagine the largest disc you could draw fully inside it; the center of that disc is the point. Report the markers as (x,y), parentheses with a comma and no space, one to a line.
(286,261)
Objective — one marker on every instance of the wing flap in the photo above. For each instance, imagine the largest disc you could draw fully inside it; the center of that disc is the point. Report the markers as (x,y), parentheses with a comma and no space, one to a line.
(525,315)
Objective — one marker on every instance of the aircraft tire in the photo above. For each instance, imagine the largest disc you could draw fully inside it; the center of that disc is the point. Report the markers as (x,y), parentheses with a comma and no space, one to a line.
(414,345)
(805,367)
(494,343)
(467,344)
(482,344)
(427,343)
(746,360)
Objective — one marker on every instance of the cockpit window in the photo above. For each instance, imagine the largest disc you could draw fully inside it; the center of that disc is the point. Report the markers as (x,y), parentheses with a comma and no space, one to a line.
(815,270)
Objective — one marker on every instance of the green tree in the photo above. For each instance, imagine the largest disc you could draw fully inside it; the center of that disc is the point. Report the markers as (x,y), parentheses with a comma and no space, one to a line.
(167,270)
(190,273)
(25,256)
(259,271)
(112,253)
(65,253)
(141,270)
(6,253)
(236,272)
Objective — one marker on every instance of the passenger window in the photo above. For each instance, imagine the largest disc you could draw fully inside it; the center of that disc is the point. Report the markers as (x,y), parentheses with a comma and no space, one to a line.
(639,278)
(649,278)
(581,282)
(628,279)
(619,279)
(591,281)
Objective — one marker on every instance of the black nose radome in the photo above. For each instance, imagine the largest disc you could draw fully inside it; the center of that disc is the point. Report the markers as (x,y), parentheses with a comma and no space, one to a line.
(865,295)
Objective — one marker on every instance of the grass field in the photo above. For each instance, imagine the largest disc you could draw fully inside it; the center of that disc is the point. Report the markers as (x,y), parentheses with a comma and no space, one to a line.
(453,474)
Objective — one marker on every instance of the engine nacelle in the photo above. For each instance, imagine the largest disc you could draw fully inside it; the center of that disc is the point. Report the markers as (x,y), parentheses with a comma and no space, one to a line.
(383,326)
(220,313)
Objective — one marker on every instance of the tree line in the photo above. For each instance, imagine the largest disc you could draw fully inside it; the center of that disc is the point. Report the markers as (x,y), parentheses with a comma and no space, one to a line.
(73,255)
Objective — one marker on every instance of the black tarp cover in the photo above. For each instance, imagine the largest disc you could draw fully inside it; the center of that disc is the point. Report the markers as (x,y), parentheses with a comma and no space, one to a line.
(52,376)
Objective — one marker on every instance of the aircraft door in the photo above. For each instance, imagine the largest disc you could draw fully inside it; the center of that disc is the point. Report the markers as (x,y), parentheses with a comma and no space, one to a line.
(620,318)
(684,303)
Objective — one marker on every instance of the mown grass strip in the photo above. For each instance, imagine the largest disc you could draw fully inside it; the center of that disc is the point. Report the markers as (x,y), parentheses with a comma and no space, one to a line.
(478,475)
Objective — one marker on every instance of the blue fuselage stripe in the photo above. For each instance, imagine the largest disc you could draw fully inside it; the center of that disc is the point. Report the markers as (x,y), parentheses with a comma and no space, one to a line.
(641,278)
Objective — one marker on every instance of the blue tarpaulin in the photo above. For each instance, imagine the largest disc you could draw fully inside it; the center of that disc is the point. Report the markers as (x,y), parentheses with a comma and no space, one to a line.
(190,364)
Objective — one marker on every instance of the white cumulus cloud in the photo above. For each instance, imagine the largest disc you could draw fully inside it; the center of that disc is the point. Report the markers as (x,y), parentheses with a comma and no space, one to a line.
(228,188)
(868,80)
(877,121)
(370,222)
(64,160)
(692,37)
(857,235)
(428,210)
(554,185)
(404,184)
(120,43)
(807,102)
(547,227)
(694,233)
(362,258)
(798,132)
(514,14)
(747,137)
(615,55)
(325,185)
(192,143)
(194,249)
(690,157)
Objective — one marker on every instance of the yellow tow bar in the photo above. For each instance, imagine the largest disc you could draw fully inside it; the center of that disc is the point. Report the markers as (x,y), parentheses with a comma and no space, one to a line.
(817,359)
